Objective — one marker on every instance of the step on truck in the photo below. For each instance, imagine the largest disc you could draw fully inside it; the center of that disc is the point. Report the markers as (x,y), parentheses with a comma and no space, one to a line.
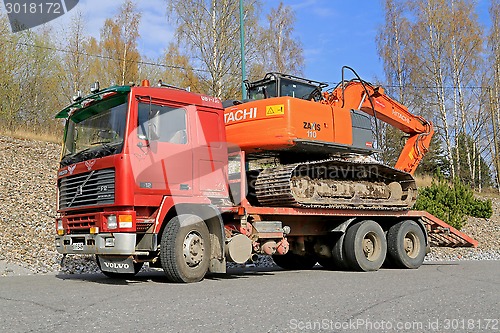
(161,175)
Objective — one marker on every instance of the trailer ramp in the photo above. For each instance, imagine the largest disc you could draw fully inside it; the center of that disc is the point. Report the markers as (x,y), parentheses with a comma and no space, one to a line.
(442,234)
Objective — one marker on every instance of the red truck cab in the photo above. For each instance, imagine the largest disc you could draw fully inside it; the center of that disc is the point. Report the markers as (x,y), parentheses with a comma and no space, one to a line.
(129,155)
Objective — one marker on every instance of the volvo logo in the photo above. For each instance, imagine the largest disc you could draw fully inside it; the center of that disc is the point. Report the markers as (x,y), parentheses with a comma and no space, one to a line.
(79,190)
(116,265)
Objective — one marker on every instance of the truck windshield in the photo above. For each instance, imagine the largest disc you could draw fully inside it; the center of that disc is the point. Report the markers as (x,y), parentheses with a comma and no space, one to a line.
(95,131)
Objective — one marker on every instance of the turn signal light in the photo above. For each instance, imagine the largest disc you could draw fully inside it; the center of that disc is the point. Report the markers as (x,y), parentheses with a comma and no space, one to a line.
(125,221)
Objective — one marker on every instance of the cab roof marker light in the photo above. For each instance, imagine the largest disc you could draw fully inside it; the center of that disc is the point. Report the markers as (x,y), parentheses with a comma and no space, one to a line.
(94,88)
(78,96)
(111,93)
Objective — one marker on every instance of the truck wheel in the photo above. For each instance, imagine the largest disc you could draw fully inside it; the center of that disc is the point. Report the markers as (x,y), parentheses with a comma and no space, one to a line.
(292,261)
(406,245)
(365,246)
(113,275)
(185,249)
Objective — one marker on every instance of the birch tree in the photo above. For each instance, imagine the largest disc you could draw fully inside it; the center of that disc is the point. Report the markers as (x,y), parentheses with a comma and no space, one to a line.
(10,64)
(430,40)
(209,31)
(464,59)
(279,47)
(74,64)
(119,44)
(392,41)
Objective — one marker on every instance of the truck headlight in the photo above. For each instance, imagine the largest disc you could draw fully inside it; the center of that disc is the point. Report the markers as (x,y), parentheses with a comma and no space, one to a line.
(111,221)
(60,227)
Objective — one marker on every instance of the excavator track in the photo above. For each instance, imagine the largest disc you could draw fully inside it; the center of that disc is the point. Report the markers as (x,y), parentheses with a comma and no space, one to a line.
(336,184)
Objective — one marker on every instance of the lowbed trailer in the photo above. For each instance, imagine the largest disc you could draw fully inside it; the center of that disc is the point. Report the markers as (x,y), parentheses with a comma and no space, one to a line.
(147,176)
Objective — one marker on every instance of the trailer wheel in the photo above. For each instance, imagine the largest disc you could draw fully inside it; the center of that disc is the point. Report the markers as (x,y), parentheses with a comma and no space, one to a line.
(124,276)
(365,246)
(185,249)
(292,261)
(406,245)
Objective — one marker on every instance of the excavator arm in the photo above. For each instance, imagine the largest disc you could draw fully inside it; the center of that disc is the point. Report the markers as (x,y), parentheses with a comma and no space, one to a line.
(360,95)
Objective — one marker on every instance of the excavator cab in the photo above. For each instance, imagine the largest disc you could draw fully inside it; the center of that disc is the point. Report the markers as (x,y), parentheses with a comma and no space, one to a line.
(278,85)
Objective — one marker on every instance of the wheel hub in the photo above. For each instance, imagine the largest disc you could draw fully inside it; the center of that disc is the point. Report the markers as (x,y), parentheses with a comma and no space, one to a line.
(411,245)
(371,247)
(193,249)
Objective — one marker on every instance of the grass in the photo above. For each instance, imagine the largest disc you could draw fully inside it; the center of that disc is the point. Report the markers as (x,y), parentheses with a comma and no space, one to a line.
(423,180)
(491,193)
(488,192)
(28,135)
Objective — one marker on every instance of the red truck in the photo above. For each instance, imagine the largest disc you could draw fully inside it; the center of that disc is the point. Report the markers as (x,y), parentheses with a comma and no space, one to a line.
(169,177)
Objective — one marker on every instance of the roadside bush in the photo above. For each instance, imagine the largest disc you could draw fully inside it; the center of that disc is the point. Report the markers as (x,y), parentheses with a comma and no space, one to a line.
(452,202)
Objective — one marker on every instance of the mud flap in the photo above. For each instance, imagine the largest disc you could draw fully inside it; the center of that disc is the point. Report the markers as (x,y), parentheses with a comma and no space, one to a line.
(116,264)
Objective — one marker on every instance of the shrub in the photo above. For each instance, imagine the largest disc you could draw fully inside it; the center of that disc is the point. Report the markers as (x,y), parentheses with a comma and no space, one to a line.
(452,202)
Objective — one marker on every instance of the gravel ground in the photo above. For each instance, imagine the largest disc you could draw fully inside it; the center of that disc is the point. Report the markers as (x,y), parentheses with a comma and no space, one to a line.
(27,212)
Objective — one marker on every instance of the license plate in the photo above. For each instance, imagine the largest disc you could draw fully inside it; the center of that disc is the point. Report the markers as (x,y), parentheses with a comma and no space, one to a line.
(77,246)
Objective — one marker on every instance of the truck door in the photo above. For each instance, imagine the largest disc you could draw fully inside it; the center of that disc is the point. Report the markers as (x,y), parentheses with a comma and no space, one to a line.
(162,158)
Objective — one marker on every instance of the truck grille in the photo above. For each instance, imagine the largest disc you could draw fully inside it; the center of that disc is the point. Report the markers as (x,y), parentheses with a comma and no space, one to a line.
(81,224)
(87,189)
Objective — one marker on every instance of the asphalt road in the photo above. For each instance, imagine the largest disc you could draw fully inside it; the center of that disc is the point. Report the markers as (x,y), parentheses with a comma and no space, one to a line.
(438,297)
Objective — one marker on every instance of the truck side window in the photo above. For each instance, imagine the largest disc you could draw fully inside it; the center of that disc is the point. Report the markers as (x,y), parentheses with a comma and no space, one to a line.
(172,123)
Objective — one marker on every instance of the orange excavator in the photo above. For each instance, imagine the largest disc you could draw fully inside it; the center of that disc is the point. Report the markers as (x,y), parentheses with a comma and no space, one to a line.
(321,144)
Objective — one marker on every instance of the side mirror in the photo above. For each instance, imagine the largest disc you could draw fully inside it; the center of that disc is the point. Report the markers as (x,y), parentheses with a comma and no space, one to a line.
(154,125)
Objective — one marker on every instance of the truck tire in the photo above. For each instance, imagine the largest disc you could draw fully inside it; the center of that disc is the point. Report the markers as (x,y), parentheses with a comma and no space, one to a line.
(406,245)
(365,246)
(124,276)
(292,261)
(185,249)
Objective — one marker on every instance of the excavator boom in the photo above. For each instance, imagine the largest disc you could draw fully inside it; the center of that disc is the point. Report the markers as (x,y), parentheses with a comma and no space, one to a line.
(373,101)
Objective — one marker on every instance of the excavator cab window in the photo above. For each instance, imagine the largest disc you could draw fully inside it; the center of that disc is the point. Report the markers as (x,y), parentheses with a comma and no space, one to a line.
(296,89)
(262,91)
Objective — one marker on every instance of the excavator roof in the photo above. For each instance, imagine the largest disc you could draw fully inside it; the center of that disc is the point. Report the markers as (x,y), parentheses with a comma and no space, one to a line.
(276,84)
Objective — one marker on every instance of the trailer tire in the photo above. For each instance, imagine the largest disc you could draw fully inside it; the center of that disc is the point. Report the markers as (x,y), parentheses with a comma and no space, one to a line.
(365,246)
(124,276)
(406,245)
(337,260)
(338,253)
(185,249)
(292,261)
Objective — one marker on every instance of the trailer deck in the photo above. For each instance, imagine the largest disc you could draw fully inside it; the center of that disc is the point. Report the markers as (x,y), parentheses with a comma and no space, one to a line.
(440,233)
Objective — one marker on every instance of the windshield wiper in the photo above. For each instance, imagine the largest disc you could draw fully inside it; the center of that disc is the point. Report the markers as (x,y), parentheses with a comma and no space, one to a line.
(72,158)
(90,152)
(100,143)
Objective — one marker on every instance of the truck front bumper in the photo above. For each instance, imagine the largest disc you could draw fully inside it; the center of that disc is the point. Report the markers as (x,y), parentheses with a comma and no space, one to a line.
(106,243)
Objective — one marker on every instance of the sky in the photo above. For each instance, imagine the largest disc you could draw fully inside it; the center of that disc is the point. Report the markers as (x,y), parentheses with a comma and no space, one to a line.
(333,33)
